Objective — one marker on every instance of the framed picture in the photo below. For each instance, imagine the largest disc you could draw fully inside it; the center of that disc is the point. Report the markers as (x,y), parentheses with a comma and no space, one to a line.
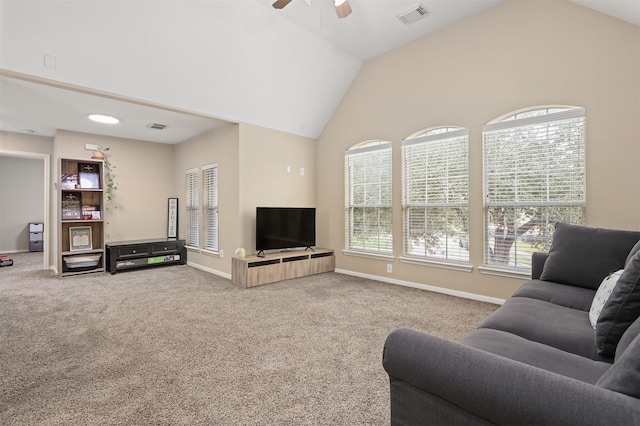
(89,176)
(172,218)
(80,238)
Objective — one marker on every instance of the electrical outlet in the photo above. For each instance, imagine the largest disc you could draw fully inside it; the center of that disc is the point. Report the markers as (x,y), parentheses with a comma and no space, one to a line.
(49,61)
(389,268)
(221,253)
(301,171)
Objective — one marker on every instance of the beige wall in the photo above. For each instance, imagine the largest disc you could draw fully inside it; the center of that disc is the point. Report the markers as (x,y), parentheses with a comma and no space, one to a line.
(251,172)
(144,172)
(25,143)
(218,146)
(516,55)
(264,180)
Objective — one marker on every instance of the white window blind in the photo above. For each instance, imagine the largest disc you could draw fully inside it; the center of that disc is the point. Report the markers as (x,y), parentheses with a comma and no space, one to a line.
(368,198)
(534,176)
(210,178)
(435,194)
(192,208)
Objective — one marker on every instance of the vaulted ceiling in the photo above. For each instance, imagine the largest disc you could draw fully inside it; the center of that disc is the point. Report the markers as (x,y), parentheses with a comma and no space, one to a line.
(193,65)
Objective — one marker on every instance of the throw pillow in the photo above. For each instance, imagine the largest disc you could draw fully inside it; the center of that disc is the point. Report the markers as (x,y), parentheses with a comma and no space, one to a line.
(602,295)
(582,256)
(620,310)
(632,252)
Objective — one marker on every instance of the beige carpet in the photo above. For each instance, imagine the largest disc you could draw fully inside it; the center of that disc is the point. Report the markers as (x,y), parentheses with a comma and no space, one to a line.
(178,346)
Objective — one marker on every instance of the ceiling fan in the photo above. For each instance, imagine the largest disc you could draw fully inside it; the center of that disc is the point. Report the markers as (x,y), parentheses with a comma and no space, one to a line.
(342,6)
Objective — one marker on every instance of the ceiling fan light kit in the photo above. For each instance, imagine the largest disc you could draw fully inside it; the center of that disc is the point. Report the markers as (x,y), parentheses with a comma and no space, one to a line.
(279,4)
(343,9)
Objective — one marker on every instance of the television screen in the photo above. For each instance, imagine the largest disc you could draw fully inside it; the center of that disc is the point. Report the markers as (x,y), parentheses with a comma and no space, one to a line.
(285,227)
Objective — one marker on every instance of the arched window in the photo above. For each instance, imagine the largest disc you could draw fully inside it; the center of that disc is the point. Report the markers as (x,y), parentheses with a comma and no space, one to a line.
(435,194)
(368,198)
(534,176)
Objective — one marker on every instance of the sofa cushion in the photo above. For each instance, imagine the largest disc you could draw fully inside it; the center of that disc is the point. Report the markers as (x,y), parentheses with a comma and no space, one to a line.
(602,295)
(559,294)
(632,332)
(547,323)
(536,354)
(621,309)
(583,256)
(624,375)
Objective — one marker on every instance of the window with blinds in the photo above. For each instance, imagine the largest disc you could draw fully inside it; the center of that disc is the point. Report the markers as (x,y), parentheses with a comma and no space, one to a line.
(193,230)
(435,194)
(534,176)
(210,206)
(368,197)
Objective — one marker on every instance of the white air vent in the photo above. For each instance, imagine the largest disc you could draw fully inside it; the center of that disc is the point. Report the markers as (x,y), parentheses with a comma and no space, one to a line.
(156,126)
(414,14)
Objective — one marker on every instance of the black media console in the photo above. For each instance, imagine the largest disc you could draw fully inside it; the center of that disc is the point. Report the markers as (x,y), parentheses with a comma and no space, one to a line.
(124,255)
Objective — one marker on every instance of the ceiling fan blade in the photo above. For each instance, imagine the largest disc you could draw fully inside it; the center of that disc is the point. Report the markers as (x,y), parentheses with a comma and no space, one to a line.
(279,4)
(343,9)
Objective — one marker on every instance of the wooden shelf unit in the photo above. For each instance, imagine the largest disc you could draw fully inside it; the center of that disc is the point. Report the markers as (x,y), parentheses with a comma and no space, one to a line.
(93,197)
(252,271)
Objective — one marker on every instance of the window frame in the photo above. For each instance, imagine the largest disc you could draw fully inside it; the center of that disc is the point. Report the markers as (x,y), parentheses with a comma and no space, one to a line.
(552,129)
(210,208)
(437,144)
(380,152)
(191,207)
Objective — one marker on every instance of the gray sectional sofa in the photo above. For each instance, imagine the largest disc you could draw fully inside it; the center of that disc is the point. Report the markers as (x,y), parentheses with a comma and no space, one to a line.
(537,359)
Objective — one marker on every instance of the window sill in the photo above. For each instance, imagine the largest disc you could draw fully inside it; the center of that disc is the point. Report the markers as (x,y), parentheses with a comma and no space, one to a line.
(504,272)
(203,251)
(456,266)
(211,253)
(376,256)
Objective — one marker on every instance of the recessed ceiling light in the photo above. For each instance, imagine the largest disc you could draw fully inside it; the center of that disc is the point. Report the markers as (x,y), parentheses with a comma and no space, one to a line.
(103,118)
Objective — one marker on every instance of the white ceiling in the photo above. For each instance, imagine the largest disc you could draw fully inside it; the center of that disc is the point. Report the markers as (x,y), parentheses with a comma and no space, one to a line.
(222,60)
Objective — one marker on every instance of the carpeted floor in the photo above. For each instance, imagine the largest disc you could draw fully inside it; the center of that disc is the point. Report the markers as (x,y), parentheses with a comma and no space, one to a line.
(178,346)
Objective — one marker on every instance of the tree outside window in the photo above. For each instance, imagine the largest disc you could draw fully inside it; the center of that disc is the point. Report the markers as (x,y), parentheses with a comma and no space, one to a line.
(368,198)
(534,176)
(435,194)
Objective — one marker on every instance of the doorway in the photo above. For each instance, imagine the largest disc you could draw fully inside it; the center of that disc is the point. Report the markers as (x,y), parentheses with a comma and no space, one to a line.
(11,188)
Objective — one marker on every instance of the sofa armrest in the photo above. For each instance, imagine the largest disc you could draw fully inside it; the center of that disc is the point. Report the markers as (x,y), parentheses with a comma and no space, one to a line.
(497,389)
(537,264)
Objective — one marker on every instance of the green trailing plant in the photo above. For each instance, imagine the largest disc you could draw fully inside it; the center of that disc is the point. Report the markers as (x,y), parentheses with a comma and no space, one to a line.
(110,184)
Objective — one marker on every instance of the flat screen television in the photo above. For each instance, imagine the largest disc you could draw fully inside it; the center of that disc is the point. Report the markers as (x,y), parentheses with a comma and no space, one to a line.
(279,228)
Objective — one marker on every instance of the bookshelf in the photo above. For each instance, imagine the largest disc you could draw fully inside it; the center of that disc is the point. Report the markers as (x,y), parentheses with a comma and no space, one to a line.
(81,217)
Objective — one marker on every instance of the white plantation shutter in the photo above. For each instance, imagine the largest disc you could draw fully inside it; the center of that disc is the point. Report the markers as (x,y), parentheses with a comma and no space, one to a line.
(210,178)
(368,198)
(192,208)
(435,194)
(534,172)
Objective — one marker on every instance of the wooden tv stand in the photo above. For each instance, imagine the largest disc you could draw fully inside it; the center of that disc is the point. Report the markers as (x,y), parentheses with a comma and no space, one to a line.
(252,271)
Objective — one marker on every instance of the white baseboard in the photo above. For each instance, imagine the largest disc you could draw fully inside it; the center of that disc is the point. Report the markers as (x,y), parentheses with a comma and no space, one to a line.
(13,251)
(209,270)
(435,289)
